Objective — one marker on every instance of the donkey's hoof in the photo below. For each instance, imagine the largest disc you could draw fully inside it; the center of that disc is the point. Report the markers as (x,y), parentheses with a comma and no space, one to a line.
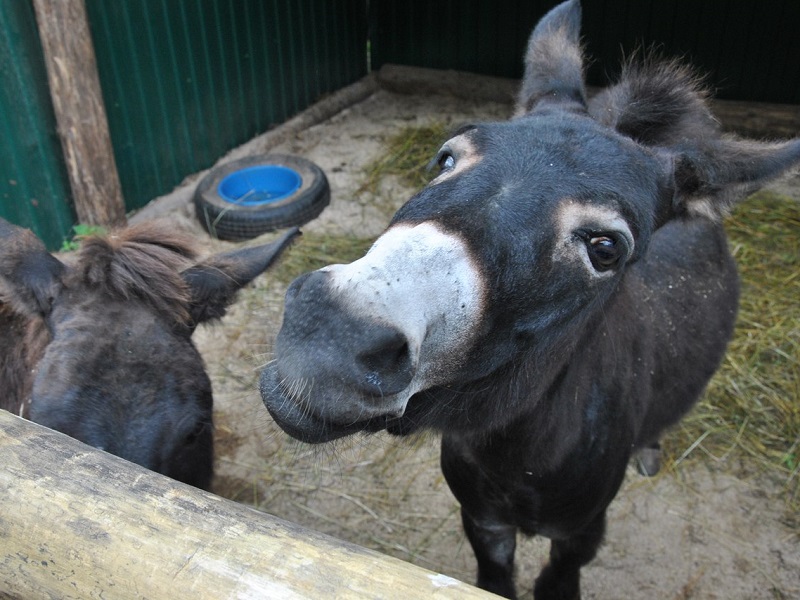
(550,585)
(648,461)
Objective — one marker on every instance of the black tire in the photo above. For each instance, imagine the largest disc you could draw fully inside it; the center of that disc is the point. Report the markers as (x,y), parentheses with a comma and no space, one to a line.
(228,220)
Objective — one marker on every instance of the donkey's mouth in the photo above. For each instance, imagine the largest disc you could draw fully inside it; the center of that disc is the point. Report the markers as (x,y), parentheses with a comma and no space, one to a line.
(300,422)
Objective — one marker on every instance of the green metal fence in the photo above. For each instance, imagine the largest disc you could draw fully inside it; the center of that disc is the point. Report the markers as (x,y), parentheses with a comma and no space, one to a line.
(34,190)
(184,81)
(749,50)
(466,35)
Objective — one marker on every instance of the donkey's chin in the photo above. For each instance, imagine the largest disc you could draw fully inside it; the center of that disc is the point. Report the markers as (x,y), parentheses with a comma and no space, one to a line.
(301,423)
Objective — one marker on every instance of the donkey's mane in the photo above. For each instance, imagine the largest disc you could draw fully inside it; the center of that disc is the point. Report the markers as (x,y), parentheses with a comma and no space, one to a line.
(656,102)
(143,261)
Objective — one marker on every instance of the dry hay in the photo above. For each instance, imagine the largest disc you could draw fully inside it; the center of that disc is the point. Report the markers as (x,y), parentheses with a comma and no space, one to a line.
(407,156)
(749,418)
(315,250)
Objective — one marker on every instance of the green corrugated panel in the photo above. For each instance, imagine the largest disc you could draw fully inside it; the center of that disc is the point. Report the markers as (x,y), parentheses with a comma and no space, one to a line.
(467,35)
(749,50)
(185,81)
(34,189)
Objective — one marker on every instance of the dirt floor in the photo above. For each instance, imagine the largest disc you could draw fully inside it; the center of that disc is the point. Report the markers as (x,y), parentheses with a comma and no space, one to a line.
(695,532)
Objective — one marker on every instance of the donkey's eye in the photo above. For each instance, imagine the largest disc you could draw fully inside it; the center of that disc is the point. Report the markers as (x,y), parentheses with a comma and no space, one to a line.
(445,160)
(605,251)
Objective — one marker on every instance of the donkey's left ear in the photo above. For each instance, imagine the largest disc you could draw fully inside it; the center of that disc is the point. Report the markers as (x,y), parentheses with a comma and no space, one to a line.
(711,177)
(30,277)
(554,63)
(214,282)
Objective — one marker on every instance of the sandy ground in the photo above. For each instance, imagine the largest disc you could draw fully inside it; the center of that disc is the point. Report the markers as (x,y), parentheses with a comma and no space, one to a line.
(696,532)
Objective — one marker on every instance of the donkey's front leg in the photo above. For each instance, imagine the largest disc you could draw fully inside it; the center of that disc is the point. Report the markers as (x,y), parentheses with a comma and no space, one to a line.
(494,545)
(560,579)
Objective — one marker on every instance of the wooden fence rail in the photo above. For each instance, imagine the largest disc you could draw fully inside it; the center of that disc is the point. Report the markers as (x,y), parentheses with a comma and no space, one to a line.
(76,522)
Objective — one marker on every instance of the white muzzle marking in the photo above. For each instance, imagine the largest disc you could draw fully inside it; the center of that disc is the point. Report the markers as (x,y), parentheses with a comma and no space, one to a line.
(424,282)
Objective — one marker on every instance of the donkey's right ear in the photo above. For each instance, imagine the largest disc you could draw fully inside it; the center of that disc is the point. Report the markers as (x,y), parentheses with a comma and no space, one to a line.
(554,63)
(30,277)
(708,177)
(214,282)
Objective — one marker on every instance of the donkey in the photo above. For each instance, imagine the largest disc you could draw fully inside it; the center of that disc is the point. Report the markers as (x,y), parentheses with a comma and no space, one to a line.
(99,346)
(553,300)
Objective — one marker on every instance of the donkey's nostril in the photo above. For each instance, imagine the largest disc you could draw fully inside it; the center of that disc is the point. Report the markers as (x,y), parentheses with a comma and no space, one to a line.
(294,287)
(385,361)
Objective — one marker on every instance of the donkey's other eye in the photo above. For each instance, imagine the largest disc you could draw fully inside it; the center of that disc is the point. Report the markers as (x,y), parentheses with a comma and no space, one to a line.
(446,161)
(605,251)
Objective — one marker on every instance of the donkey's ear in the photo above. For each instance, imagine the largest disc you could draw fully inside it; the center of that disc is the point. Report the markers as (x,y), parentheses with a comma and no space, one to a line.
(710,179)
(554,62)
(30,277)
(213,282)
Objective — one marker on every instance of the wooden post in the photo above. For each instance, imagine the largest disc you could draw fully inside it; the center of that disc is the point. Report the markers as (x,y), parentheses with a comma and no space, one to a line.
(76,522)
(80,112)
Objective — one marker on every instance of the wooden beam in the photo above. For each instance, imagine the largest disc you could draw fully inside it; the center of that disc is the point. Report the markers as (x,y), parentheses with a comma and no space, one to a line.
(76,522)
(80,111)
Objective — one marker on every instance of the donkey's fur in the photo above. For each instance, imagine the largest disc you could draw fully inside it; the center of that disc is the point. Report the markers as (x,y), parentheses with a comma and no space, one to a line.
(559,295)
(99,346)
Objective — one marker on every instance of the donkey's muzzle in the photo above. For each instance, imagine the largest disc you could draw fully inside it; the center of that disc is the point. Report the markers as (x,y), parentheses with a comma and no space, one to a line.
(336,368)
(299,422)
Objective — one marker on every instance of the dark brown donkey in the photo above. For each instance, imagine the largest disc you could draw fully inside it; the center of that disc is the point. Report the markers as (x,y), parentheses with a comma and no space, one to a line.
(99,346)
(559,295)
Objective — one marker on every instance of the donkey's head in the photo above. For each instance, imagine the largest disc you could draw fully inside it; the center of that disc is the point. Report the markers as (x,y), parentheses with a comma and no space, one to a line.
(523,236)
(119,370)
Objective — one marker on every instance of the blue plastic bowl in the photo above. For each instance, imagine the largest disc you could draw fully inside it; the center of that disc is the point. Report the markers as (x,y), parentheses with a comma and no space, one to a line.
(258,185)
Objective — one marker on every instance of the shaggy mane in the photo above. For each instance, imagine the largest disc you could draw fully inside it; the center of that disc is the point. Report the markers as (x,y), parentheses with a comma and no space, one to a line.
(142,261)
(656,102)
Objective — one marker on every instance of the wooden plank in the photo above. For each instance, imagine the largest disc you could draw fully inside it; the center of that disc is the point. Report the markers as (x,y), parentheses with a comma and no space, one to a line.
(749,119)
(402,79)
(759,120)
(76,522)
(80,111)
